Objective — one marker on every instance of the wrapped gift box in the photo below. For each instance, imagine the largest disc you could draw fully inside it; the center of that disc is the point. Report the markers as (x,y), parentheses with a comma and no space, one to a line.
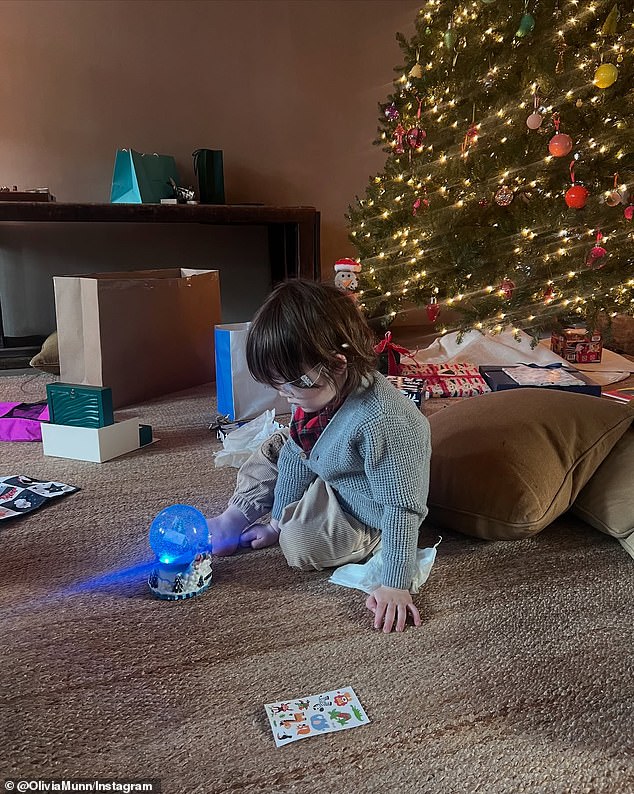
(448,380)
(577,345)
(522,376)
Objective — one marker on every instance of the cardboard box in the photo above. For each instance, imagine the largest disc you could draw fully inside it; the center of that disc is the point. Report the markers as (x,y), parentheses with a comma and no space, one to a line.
(95,444)
(144,333)
(25,195)
(577,345)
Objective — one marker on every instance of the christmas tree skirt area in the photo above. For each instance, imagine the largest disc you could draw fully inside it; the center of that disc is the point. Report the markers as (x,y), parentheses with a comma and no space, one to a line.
(504,349)
(519,678)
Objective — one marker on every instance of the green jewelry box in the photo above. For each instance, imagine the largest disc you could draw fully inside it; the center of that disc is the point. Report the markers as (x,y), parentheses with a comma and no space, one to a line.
(79,406)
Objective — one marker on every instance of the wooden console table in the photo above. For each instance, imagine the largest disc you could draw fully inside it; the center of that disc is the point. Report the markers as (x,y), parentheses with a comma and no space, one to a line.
(293,232)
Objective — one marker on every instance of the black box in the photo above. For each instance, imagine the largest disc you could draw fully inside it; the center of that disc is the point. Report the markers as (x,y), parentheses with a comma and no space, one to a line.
(145,435)
(414,388)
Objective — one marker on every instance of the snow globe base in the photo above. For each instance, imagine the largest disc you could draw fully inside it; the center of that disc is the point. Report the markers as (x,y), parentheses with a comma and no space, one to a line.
(175,582)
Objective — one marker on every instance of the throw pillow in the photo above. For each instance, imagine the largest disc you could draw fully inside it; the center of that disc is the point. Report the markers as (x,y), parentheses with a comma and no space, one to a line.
(48,358)
(607,501)
(505,465)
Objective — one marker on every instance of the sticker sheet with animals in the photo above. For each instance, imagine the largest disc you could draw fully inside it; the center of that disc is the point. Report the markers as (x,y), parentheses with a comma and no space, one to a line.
(20,494)
(309,716)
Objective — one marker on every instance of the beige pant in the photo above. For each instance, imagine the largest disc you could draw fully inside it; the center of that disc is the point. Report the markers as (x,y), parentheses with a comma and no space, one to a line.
(315,533)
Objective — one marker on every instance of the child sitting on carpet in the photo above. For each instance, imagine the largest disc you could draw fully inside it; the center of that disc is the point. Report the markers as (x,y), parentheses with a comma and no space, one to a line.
(352,471)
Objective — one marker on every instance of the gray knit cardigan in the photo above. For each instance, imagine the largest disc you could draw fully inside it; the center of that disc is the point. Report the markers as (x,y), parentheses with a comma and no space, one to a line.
(375,453)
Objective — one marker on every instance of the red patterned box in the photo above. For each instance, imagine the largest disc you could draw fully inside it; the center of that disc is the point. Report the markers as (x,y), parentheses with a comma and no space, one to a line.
(448,380)
(577,345)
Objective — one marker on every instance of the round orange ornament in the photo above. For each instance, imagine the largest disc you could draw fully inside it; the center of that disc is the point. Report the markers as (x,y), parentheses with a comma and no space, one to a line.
(560,145)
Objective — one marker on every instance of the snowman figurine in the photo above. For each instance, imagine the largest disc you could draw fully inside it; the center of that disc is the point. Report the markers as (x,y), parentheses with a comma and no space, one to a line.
(346,277)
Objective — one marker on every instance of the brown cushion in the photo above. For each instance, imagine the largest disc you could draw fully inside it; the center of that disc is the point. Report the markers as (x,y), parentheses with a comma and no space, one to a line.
(607,501)
(48,358)
(504,465)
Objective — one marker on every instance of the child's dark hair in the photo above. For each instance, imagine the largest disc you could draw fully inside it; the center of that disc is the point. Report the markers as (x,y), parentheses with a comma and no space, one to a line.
(303,324)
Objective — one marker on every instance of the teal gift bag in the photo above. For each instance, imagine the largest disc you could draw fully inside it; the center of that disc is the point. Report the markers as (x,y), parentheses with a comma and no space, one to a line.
(142,178)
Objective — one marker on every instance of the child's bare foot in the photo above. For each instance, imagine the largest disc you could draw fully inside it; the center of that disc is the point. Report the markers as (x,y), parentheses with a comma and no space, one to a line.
(225,531)
(258,536)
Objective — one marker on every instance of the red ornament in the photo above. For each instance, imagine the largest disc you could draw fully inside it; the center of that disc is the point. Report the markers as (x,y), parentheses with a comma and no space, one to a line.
(418,203)
(471,137)
(597,253)
(594,257)
(433,310)
(549,295)
(507,286)
(628,212)
(576,197)
(398,137)
(415,137)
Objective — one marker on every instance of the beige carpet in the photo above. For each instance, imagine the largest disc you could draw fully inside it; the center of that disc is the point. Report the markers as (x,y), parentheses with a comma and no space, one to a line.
(520,679)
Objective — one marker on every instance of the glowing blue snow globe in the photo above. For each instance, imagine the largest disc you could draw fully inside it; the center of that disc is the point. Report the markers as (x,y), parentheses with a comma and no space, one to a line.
(179,537)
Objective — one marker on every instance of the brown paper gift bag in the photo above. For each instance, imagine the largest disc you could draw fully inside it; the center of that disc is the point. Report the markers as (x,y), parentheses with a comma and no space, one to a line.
(143,333)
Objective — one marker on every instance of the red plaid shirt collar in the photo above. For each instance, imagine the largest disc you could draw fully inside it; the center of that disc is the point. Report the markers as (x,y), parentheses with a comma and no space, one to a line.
(306,428)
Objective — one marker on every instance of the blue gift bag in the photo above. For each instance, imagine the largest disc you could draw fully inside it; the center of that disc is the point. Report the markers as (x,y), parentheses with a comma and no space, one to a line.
(239,395)
(142,178)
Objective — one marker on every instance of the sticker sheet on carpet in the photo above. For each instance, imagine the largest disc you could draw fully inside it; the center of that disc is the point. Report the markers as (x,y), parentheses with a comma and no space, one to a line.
(20,494)
(326,712)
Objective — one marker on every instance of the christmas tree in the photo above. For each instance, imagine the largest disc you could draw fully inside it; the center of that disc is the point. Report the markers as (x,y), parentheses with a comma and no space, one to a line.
(508,189)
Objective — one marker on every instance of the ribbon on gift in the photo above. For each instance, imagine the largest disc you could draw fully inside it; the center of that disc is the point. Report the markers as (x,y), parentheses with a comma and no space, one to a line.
(393,352)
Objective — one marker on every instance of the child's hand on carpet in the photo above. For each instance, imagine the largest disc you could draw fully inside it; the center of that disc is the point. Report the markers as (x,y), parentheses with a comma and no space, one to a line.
(390,603)
(260,535)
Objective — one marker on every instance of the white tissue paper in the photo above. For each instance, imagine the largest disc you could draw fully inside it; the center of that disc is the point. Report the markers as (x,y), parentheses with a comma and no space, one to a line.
(368,576)
(238,445)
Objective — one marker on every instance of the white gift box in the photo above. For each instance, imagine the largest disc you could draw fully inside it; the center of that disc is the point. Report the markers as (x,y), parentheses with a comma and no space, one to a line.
(95,444)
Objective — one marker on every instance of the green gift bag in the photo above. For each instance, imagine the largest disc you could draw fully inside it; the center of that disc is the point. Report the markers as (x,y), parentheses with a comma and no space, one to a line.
(142,178)
(209,170)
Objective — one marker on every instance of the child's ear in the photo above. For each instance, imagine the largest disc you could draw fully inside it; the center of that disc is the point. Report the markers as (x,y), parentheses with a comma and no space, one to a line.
(342,366)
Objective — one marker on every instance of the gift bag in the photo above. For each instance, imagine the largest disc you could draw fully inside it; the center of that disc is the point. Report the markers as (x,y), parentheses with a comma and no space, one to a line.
(143,333)
(142,178)
(389,356)
(239,395)
(208,168)
(22,421)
